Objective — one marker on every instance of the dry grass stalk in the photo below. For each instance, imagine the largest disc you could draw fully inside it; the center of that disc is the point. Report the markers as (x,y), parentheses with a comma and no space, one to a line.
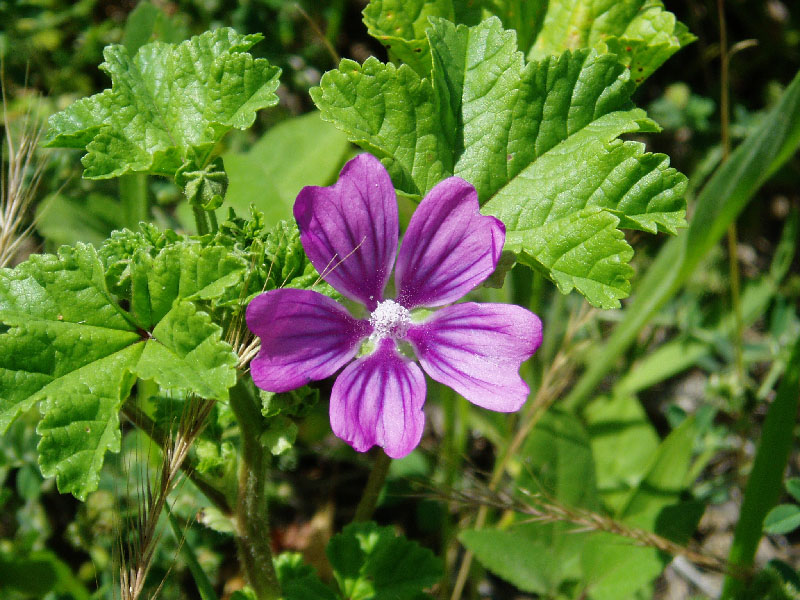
(544,509)
(18,185)
(136,552)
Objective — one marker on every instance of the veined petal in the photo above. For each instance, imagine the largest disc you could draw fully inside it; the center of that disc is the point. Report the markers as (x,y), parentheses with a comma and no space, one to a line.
(477,350)
(378,400)
(304,336)
(349,230)
(449,247)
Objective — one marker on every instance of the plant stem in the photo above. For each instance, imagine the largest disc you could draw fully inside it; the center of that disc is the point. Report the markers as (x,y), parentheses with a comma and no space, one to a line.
(201,220)
(133,193)
(377,477)
(252,524)
(733,251)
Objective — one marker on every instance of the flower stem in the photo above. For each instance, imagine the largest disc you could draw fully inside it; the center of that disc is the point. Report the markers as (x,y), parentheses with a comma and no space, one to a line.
(200,220)
(377,477)
(133,194)
(252,524)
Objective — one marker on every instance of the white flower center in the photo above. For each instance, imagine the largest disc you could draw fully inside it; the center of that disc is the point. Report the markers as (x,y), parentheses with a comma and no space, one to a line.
(390,320)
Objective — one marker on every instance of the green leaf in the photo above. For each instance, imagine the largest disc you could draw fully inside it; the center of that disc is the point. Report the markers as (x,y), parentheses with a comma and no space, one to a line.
(522,558)
(614,423)
(186,354)
(720,202)
(298,580)
(301,151)
(793,487)
(67,345)
(279,435)
(584,251)
(39,574)
(665,478)
(541,557)
(47,337)
(373,563)
(615,567)
(148,21)
(296,403)
(168,105)
(539,141)
(400,26)
(391,113)
(187,270)
(782,519)
(641,33)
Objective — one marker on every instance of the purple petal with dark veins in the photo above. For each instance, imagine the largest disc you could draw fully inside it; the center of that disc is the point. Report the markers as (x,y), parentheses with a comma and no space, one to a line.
(477,350)
(378,400)
(449,247)
(349,230)
(304,336)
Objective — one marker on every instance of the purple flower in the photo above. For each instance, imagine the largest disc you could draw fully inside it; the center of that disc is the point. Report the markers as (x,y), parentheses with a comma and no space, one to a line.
(349,231)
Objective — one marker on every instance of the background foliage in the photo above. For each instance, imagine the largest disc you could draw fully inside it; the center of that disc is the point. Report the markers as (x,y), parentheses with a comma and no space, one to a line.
(655,420)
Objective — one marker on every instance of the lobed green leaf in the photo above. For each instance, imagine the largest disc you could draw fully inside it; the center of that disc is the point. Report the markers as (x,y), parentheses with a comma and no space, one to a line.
(539,141)
(168,105)
(68,346)
(640,34)
(373,563)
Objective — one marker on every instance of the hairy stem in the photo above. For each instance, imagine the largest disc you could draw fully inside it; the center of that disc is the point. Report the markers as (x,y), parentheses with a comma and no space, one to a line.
(377,477)
(200,219)
(252,524)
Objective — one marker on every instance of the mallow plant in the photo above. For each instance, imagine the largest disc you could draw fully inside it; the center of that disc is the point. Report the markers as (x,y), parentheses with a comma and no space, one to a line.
(509,129)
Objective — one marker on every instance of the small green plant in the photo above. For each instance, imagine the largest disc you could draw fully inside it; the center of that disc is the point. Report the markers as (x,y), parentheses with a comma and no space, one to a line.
(500,150)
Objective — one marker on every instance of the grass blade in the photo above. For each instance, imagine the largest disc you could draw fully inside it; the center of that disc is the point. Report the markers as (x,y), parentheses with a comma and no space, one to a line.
(765,484)
(722,199)
(204,587)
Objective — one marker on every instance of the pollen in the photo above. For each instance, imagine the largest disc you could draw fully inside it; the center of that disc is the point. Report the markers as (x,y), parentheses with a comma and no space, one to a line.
(390,320)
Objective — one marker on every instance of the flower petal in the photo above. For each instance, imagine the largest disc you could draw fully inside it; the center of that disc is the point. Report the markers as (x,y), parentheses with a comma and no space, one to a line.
(378,400)
(304,336)
(449,247)
(477,350)
(349,230)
